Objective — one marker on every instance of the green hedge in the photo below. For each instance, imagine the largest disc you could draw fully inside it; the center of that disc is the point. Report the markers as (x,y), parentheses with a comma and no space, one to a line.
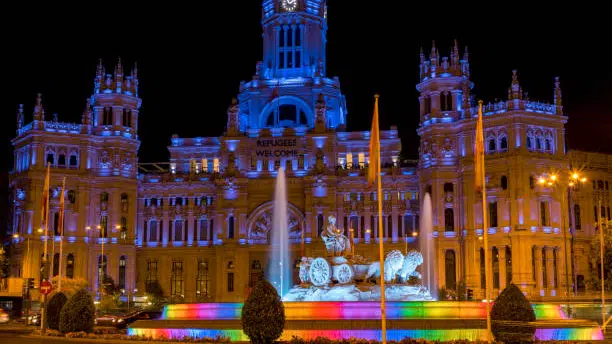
(78,313)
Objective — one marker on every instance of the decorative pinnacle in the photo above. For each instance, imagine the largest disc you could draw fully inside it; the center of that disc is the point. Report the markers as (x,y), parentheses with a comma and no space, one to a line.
(376,96)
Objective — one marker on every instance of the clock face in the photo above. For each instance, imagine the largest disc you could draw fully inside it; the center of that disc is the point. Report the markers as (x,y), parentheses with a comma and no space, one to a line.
(289,5)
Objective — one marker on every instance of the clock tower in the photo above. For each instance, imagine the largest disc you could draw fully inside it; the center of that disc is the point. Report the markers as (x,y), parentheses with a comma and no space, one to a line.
(294,37)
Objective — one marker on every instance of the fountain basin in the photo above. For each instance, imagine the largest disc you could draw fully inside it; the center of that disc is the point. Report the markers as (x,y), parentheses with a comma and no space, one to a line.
(336,320)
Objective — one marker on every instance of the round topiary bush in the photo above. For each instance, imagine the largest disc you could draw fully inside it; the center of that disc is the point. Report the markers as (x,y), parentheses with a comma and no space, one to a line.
(53,310)
(511,317)
(78,313)
(263,314)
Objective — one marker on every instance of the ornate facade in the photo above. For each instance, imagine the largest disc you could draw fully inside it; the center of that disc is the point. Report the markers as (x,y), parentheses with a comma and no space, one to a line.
(199,224)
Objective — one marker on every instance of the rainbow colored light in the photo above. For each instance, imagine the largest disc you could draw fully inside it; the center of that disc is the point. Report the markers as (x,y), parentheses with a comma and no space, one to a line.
(181,315)
(392,334)
(354,310)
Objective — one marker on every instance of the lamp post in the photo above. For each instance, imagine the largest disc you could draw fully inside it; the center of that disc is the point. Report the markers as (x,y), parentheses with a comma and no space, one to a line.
(552,180)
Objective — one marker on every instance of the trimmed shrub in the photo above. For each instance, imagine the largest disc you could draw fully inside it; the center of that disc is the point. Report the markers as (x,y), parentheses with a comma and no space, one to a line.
(78,313)
(53,310)
(511,315)
(263,314)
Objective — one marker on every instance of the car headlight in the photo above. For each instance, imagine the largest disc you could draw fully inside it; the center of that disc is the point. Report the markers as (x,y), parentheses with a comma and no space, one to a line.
(120,320)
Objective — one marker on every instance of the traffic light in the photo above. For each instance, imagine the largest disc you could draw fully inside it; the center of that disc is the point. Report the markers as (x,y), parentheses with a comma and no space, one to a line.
(470,294)
(30,283)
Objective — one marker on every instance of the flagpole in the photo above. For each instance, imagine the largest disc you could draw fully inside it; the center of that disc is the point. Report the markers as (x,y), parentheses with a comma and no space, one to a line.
(380,229)
(61,233)
(485,230)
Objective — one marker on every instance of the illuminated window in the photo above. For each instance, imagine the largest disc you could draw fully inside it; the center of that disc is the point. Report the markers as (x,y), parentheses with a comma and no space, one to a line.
(70,266)
(495,268)
(361,160)
(123,232)
(202,279)
(349,160)
(204,165)
(176,280)
(216,165)
(577,220)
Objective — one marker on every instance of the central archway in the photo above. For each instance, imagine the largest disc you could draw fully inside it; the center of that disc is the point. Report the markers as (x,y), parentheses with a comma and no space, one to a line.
(286,111)
(259,223)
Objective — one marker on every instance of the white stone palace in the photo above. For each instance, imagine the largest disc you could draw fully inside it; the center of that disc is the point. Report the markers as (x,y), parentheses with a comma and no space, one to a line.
(199,224)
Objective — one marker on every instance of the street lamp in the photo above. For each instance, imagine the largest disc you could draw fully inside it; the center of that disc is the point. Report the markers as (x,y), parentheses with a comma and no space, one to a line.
(573,180)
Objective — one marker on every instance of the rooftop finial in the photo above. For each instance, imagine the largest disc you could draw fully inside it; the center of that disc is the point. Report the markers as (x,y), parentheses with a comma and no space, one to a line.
(433,54)
(515,91)
(38,108)
(558,96)
(86,117)
(466,55)
(422,56)
(20,116)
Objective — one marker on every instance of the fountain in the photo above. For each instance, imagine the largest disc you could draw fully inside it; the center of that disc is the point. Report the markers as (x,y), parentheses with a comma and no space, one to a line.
(341,276)
(426,244)
(345,289)
(279,271)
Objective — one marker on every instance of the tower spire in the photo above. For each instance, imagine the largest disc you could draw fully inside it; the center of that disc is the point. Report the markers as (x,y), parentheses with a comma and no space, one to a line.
(558,97)
(20,116)
(433,56)
(515,88)
(86,117)
(422,56)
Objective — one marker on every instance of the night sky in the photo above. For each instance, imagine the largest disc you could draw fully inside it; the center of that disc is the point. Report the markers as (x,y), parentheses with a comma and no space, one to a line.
(190,66)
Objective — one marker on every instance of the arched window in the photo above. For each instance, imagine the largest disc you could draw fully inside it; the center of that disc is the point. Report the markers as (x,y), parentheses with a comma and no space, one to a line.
(103,197)
(286,115)
(61,161)
(56,228)
(503,143)
(203,229)
(124,230)
(73,161)
(122,267)
(539,143)
(50,158)
(548,145)
(178,201)
(492,146)
(577,220)
(178,230)
(152,230)
(400,229)
(449,220)
(504,182)
(529,142)
(70,266)
(124,202)
(450,269)
(230,228)
(126,118)
(495,268)
(508,265)
(389,227)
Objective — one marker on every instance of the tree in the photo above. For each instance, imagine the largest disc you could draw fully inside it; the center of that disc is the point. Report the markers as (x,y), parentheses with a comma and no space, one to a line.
(512,317)
(594,281)
(263,314)
(78,313)
(54,308)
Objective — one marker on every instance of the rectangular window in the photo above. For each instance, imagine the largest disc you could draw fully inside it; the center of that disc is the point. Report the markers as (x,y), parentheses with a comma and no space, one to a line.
(151,273)
(493,214)
(230,281)
(205,165)
(361,160)
(203,229)
(216,165)
(202,279)
(544,213)
(281,60)
(176,280)
(349,160)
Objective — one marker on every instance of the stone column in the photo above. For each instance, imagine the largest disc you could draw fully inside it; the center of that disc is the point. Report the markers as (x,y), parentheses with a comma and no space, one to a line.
(190,228)
(550,267)
(502,267)
(395,236)
(165,233)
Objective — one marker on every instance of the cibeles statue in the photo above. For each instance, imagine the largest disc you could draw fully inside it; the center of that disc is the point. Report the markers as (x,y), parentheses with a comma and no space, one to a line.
(337,244)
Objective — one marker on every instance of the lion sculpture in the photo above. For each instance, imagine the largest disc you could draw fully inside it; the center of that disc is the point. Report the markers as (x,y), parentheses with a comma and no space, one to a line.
(398,268)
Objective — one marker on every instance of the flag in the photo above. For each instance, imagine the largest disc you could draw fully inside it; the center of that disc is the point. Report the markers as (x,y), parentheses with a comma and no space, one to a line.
(61,210)
(479,153)
(45,200)
(374,165)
